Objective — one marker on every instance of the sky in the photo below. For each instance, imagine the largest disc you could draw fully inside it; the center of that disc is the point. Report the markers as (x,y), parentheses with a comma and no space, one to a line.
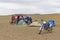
(8,7)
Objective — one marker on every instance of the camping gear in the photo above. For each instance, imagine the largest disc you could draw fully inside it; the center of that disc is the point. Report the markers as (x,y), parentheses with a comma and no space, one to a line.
(16,17)
(21,22)
(51,22)
(35,24)
(28,20)
(45,26)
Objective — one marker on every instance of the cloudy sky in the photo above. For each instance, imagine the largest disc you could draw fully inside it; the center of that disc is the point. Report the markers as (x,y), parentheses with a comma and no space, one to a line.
(29,6)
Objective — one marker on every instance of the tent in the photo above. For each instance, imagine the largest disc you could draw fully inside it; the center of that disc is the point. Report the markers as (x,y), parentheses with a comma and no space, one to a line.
(21,22)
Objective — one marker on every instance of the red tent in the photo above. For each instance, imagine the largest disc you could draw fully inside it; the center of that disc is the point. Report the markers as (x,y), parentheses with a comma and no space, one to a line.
(16,17)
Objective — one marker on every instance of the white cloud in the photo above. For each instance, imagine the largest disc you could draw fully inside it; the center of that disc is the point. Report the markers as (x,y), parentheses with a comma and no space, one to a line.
(30,6)
(16,6)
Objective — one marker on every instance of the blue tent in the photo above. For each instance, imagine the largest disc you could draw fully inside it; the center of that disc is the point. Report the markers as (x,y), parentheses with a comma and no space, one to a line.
(21,22)
(51,22)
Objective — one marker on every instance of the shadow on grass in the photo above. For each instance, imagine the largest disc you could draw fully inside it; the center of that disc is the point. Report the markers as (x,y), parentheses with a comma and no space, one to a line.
(33,26)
